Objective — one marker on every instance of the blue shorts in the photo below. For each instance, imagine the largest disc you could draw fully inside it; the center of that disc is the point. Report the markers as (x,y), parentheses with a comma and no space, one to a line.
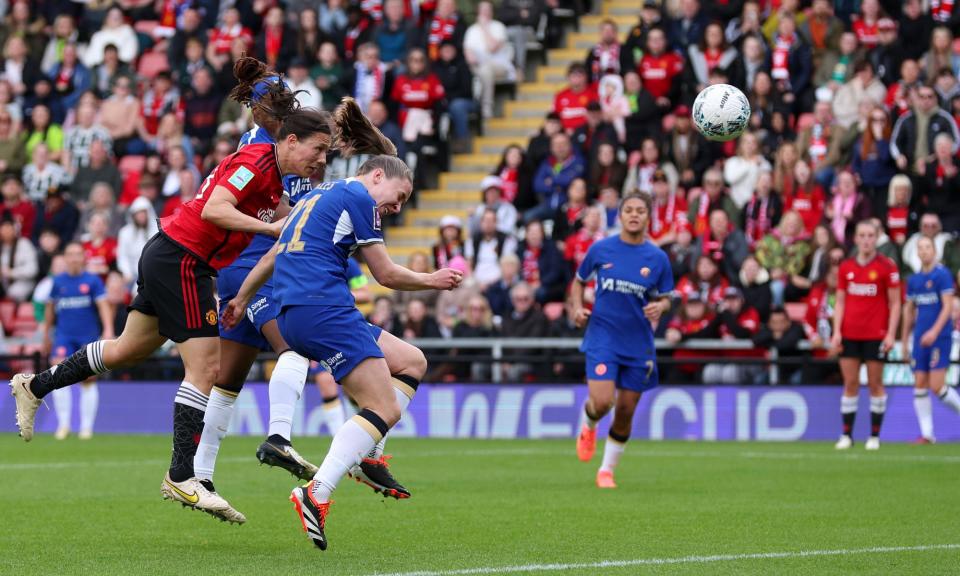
(245,332)
(336,336)
(636,375)
(930,358)
(67,345)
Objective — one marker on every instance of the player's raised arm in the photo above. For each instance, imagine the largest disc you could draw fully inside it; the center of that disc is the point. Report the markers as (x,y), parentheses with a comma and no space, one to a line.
(397,277)
(257,277)
(221,210)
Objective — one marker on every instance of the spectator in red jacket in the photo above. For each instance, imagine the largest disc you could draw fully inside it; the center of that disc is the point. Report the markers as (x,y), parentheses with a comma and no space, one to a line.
(659,68)
(693,321)
(571,102)
(16,204)
(669,214)
(705,280)
(735,320)
(100,250)
(418,92)
(806,198)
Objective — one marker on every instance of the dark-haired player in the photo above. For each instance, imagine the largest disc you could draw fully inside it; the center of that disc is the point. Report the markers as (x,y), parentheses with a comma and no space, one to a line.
(634,282)
(319,320)
(865,320)
(176,299)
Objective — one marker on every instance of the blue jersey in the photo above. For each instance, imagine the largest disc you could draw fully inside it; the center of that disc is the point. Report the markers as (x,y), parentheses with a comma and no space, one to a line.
(316,243)
(628,277)
(295,188)
(927,290)
(75,301)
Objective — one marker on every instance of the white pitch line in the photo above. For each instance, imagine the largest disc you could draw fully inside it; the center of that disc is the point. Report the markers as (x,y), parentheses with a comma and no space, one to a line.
(670,561)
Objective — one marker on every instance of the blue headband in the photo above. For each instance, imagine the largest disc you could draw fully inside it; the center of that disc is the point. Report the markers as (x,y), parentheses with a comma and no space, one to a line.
(262,88)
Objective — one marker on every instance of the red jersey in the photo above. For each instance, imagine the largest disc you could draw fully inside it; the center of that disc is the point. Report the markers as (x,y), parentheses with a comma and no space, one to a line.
(23,213)
(668,216)
(222,38)
(100,256)
(868,34)
(252,175)
(576,246)
(867,309)
(809,204)
(712,293)
(658,72)
(897,221)
(424,92)
(572,106)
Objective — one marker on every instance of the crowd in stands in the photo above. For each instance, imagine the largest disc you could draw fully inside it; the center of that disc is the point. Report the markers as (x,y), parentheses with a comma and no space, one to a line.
(112,113)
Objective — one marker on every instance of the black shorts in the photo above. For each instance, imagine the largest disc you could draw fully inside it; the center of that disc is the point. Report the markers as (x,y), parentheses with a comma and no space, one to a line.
(863,350)
(177,288)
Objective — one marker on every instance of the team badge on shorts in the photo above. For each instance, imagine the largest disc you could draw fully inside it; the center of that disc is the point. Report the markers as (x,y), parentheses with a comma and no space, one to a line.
(211,318)
(644,271)
(601,369)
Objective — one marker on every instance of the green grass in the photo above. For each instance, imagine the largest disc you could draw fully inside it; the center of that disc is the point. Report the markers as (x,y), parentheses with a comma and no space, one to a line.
(94,508)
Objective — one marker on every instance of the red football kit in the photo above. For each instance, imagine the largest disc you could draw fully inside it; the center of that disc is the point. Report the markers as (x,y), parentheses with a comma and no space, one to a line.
(668,216)
(658,72)
(867,310)
(423,92)
(252,175)
(572,106)
(808,203)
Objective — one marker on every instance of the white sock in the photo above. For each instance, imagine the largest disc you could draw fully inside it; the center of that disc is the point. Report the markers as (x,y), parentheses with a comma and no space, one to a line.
(63,405)
(89,401)
(923,406)
(950,398)
(586,419)
(878,404)
(612,450)
(215,422)
(403,400)
(286,386)
(351,442)
(333,415)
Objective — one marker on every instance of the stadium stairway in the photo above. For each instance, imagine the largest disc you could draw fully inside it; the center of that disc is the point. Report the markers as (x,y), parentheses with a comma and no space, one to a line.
(458,191)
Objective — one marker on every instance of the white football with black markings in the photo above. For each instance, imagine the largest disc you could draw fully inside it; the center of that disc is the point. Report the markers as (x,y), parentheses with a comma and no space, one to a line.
(721,112)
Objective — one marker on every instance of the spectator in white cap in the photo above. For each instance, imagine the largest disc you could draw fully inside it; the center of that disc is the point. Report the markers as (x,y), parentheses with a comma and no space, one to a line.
(492,188)
(450,244)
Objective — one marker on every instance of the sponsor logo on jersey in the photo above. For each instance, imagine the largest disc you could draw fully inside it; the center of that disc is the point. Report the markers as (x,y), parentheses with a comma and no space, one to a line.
(376,218)
(265,215)
(857,289)
(241,178)
(850,275)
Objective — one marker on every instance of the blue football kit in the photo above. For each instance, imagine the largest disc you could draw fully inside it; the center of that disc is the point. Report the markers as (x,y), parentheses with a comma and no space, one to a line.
(927,290)
(77,318)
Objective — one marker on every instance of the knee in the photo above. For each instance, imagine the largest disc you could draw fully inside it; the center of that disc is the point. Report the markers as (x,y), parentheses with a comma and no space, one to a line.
(205,373)
(389,412)
(601,403)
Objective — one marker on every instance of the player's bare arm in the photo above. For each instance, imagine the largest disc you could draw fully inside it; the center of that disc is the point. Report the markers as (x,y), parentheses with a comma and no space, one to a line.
(221,210)
(893,296)
(397,277)
(946,311)
(654,310)
(581,315)
(906,327)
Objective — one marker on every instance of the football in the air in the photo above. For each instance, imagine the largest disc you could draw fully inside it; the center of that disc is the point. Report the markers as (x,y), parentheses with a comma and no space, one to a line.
(721,112)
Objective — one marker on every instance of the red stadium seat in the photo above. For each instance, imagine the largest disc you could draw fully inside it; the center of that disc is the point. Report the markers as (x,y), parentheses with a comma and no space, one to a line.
(151,64)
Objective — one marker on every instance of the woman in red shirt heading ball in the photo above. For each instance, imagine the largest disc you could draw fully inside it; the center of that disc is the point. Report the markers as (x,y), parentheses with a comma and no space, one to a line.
(865,319)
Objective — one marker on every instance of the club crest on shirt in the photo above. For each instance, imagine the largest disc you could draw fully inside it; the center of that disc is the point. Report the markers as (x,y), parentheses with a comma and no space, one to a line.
(84,288)
(644,271)
(929,284)
(607,266)
(376,218)
(872,275)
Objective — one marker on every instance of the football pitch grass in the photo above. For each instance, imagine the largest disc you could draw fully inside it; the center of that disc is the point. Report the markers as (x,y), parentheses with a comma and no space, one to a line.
(492,507)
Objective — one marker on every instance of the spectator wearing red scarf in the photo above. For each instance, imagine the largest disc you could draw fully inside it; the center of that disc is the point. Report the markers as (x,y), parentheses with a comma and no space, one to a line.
(790,66)
(669,214)
(711,196)
(276,44)
(762,212)
(446,24)
(161,99)
(726,245)
(605,58)
(866,25)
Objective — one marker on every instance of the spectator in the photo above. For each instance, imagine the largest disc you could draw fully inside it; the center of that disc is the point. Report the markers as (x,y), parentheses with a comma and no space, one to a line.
(836,67)
(229,29)
(418,92)
(819,144)
(70,77)
(539,146)
(100,168)
(818,322)
(44,131)
(594,132)
(525,321)
(807,198)
(418,262)
(577,244)
(645,116)
(498,293)
(641,166)
(734,320)
(328,73)
(446,24)
(785,253)
(925,117)
(614,104)
(554,176)
(18,262)
(486,247)
(79,138)
(709,52)
(784,164)
(541,265)
(864,86)
(941,54)
(489,53)
(16,204)
(63,32)
(847,207)
(754,281)
(669,214)
(514,176)
(888,55)
(659,67)
(522,18)
(357,32)
(940,181)
(385,317)
(915,27)
(418,322)
(476,323)
(606,171)
(450,244)
(395,34)
(692,322)
(765,98)
(568,217)
(821,30)
(571,102)
(704,280)
(651,18)
(302,85)
(686,149)
(784,335)
(712,196)
(451,304)
(59,214)
(743,170)
(20,70)
(790,65)
(681,254)
(202,110)
(370,79)
(12,153)
(102,201)
(186,193)
(42,174)
(724,244)
(944,242)
(141,226)
(160,99)
(606,56)
(900,219)
(898,99)
(688,28)
(177,160)
(749,63)
(493,200)
(116,32)
(457,81)
(100,250)
(333,17)
(193,61)
(872,162)
(762,213)
(10,105)
(120,114)
(277,43)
